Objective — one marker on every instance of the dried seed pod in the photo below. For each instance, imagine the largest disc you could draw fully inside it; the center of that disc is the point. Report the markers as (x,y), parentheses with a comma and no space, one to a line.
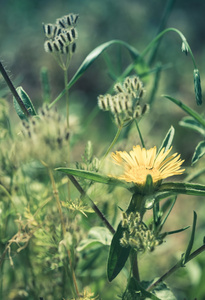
(73,48)
(74,33)
(50,30)
(118,88)
(145,109)
(48,46)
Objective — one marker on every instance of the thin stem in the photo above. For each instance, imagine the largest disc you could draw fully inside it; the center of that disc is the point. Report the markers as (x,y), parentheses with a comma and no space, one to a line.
(151,44)
(112,144)
(13,90)
(66,96)
(67,116)
(134,265)
(159,36)
(176,267)
(140,135)
(56,196)
(94,207)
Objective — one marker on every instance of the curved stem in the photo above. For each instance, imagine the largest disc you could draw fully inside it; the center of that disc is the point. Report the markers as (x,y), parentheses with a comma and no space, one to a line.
(159,36)
(151,44)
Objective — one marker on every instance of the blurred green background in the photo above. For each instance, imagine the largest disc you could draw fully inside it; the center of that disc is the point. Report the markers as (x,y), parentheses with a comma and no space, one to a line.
(136,22)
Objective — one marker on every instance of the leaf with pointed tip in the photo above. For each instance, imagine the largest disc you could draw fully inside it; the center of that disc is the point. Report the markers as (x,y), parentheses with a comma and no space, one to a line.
(191,242)
(183,188)
(135,290)
(96,236)
(191,123)
(27,102)
(167,142)
(188,110)
(118,255)
(92,56)
(96,177)
(176,231)
(199,152)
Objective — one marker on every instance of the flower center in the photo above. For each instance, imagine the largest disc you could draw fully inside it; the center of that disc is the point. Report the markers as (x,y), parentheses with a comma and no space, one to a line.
(139,174)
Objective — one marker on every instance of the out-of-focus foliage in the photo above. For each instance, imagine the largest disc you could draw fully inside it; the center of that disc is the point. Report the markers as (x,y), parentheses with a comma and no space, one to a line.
(29,216)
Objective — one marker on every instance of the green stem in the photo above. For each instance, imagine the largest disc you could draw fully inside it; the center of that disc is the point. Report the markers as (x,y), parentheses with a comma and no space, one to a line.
(13,90)
(140,135)
(112,144)
(94,207)
(134,265)
(66,96)
(159,36)
(175,268)
(151,44)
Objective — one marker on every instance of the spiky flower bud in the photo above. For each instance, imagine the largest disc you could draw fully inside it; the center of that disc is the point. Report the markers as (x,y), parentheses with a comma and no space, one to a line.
(184,47)
(197,87)
(137,235)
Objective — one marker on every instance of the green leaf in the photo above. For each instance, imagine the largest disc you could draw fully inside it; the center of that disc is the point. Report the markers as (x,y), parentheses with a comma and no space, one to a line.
(187,109)
(27,102)
(95,177)
(118,255)
(149,184)
(170,202)
(96,235)
(176,231)
(92,56)
(183,188)
(163,292)
(96,53)
(136,291)
(191,123)
(191,242)
(199,152)
(167,142)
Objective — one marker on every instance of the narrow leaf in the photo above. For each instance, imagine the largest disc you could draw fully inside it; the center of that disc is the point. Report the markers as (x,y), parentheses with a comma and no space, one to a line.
(191,242)
(163,292)
(176,231)
(191,123)
(118,255)
(136,291)
(173,201)
(97,235)
(187,109)
(199,152)
(95,177)
(27,102)
(183,188)
(92,56)
(167,142)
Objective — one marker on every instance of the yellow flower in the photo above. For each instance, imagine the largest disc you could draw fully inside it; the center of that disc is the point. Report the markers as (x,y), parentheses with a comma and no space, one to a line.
(139,162)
